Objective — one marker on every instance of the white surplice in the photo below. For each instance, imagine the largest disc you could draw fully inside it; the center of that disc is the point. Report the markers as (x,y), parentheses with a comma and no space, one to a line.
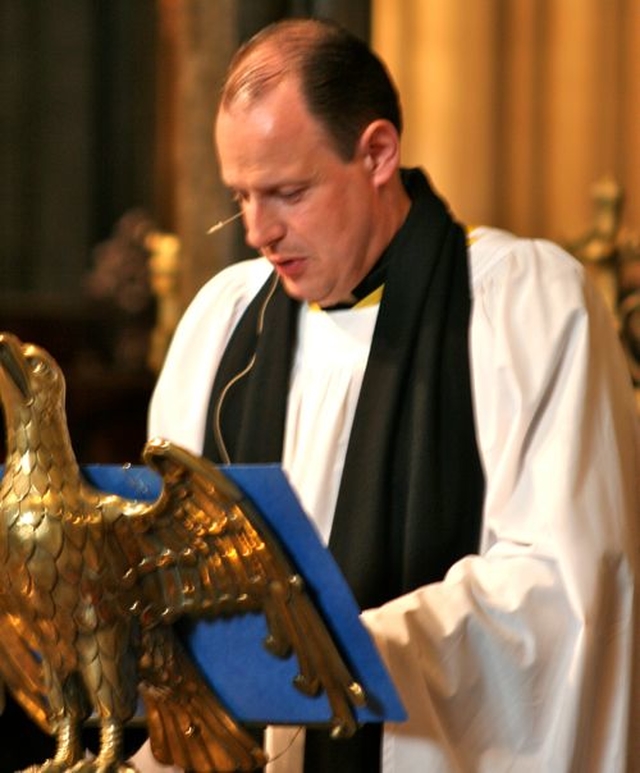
(523,657)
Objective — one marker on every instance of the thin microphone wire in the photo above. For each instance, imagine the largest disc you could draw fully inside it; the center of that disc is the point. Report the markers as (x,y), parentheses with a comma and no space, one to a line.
(217,422)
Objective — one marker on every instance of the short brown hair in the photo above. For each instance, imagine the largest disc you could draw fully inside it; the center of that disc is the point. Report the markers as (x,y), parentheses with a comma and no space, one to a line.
(343,82)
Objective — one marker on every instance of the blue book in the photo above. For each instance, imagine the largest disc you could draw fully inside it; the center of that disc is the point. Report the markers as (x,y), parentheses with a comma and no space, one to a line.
(256,686)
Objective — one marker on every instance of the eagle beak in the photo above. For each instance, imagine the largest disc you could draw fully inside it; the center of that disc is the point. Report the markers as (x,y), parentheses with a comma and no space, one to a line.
(12,362)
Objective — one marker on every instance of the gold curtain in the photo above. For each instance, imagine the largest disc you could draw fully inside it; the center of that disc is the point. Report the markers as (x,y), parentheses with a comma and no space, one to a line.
(517,107)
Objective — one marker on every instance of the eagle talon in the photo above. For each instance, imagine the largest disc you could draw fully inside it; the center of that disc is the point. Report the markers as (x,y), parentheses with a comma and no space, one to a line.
(306,685)
(343,730)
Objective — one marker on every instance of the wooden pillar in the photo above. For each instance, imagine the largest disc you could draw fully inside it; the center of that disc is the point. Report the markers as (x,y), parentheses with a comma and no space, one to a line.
(196,41)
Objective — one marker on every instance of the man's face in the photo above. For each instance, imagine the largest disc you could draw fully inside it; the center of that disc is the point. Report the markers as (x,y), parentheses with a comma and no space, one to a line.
(308,211)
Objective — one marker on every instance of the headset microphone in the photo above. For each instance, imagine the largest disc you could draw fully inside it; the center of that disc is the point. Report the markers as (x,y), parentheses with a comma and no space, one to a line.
(222,223)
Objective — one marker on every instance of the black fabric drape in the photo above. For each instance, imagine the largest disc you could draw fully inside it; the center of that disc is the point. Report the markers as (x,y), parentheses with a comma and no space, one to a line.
(412,455)
(411,494)
(252,422)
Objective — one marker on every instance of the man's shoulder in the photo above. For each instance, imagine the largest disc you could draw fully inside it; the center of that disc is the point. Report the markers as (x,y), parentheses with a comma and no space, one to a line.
(235,284)
(493,251)
(244,275)
(224,297)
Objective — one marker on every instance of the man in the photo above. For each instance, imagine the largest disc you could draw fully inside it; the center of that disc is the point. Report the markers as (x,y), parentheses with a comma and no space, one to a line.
(469,457)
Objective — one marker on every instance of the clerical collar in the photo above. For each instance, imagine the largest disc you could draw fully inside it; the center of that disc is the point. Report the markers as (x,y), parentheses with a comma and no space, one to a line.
(369,290)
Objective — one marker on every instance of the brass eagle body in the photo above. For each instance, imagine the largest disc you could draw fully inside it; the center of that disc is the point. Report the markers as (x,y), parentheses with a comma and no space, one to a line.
(91,584)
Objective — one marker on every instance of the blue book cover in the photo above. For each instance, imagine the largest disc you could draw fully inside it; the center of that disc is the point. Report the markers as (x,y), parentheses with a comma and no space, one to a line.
(256,686)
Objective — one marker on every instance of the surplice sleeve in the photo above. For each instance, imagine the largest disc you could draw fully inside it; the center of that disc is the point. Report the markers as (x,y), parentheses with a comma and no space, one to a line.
(521,659)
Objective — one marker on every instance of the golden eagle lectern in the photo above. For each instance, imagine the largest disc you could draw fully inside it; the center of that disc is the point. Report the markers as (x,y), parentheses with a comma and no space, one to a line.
(91,584)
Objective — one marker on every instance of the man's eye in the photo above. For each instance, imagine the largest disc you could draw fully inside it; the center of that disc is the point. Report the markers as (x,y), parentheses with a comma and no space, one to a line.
(291,196)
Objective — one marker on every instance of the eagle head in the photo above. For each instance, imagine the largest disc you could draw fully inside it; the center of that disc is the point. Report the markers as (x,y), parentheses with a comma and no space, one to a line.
(32,388)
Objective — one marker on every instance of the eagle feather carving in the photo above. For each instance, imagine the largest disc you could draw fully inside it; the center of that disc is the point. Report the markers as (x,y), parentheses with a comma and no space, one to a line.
(91,584)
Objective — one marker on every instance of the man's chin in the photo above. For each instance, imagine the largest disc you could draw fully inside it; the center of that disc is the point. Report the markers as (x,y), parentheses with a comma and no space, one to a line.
(296,291)
(299,292)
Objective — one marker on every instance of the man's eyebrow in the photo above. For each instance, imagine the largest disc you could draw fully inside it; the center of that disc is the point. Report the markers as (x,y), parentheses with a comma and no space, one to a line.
(271,189)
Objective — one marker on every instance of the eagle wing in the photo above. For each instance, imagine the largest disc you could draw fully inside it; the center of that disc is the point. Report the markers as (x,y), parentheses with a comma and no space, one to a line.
(204,550)
(21,668)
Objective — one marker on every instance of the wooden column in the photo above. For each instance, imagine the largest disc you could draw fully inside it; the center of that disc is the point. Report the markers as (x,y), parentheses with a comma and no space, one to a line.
(196,41)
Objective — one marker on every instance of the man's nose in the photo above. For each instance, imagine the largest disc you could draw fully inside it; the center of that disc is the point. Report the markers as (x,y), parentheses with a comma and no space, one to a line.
(263,226)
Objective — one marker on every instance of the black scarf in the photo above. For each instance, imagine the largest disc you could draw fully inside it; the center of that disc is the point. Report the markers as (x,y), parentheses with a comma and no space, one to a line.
(411,494)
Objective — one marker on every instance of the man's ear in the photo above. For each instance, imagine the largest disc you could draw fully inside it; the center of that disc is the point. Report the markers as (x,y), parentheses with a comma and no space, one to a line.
(379,149)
